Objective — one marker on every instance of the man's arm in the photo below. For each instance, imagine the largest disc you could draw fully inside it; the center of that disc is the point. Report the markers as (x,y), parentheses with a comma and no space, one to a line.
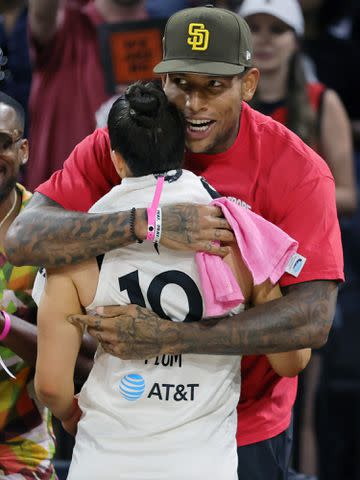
(43,19)
(285,364)
(22,338)
(300,319)
(45,234)
(58,345)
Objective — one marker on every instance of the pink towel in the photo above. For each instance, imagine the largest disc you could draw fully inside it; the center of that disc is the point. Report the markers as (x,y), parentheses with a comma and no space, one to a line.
(265,249)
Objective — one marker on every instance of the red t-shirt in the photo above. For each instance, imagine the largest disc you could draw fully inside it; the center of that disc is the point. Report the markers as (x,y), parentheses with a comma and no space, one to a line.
(279,177)
(253,400)
(67,89)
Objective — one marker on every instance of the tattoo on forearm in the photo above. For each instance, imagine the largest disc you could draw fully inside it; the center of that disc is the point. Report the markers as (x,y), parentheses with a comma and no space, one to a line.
(302,318)
(181,222)
(62,237)
(68,237)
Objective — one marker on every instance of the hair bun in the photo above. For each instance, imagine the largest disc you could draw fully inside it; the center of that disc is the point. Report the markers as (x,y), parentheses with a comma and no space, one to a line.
(146,101)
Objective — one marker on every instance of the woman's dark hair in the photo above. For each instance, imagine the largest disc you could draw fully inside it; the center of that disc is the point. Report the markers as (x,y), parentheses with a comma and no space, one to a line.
(147,130)
(301,117)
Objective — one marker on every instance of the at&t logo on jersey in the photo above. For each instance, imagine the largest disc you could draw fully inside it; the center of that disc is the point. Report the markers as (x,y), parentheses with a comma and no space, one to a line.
(177,393)
(132,387)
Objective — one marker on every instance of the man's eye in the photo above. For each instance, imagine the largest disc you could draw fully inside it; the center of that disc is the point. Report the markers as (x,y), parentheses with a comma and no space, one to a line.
(6,144)
(180,81)
(215,83)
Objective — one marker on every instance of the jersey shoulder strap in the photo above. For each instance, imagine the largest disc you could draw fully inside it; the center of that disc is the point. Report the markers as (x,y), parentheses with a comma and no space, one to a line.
(211,190)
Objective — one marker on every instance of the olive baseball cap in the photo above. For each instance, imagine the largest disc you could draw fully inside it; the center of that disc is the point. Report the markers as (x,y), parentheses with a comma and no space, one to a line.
(206,40)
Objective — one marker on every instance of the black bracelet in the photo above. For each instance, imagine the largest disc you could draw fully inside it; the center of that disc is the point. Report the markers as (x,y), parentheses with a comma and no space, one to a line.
(132,225)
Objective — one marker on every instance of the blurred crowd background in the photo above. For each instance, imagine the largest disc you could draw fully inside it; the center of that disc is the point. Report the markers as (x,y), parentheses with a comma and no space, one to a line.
(52,65)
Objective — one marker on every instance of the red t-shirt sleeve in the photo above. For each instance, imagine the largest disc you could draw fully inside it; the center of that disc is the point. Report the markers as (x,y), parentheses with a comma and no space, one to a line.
(298,195)
(305,207)
(87,174)
(313,222)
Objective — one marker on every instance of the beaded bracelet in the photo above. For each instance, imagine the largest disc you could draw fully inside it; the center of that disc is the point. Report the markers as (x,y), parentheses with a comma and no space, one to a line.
(132,225)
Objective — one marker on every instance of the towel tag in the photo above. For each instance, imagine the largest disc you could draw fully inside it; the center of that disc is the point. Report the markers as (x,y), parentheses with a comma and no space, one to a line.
(295,265)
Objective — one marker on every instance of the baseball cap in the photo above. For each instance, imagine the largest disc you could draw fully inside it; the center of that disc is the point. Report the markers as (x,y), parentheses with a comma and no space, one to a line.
(206,40)
(288,11)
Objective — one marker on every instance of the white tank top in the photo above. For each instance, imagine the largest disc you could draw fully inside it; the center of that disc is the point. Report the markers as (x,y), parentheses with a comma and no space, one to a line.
(171,417)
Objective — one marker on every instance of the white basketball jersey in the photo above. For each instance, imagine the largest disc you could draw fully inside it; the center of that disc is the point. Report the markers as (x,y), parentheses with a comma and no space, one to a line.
(172,417)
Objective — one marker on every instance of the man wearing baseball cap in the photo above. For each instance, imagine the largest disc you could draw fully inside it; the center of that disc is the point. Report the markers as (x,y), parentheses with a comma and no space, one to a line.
(260,164)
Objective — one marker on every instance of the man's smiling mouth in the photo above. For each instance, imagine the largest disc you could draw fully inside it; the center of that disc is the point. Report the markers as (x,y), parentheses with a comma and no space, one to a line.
(201,125)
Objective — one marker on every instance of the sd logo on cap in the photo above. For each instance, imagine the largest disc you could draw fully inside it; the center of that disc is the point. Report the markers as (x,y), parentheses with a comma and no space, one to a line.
(198,36)
(204,40)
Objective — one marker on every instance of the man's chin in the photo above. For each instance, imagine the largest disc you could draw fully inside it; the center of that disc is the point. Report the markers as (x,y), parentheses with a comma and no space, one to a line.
(198,147)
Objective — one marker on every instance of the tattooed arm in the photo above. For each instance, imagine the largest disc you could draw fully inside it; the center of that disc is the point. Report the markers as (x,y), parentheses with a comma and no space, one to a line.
(301,318)
(45,234)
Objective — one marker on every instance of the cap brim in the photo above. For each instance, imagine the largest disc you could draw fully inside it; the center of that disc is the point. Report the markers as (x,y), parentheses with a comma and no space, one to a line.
(196,66)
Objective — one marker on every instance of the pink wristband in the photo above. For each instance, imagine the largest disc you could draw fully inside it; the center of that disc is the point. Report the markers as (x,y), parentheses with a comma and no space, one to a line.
(151,212)
(7,325)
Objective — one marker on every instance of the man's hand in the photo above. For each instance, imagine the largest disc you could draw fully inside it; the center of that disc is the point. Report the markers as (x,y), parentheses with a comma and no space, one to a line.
(131,332)
(187,226)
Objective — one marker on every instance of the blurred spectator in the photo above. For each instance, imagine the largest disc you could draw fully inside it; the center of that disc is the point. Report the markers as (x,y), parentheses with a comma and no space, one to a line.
(311,110)
(68,82)
(159,8)
(14,44)
(26,440)
(333,42)
(175,5)
(317,115)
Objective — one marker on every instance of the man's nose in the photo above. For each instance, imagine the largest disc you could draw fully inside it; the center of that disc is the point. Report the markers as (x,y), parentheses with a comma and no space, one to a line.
(195,102)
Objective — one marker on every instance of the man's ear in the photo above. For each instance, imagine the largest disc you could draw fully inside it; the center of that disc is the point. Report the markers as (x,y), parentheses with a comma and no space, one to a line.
(24,151)
(163,80)
(249,84)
